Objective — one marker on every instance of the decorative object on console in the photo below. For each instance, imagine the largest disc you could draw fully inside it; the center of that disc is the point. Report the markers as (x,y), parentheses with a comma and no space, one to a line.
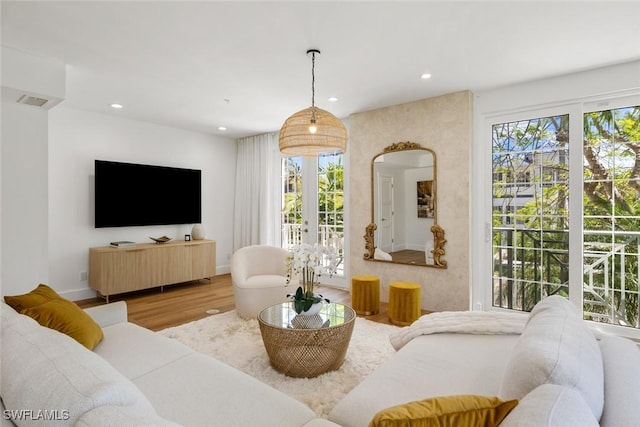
(312,131)
(161,239)
(197,232)
(122,244)
(310,262)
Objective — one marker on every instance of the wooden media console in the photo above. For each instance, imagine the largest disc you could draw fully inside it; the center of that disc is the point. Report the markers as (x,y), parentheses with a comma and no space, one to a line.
(150,265)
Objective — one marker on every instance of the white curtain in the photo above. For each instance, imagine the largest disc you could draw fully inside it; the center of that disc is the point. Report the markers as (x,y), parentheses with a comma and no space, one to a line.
(257,195)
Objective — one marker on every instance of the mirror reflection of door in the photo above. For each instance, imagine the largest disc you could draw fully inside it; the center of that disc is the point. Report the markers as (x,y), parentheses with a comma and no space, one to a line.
(385,212)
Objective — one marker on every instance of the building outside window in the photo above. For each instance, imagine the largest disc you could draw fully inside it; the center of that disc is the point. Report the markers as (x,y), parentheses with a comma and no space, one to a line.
(566,187)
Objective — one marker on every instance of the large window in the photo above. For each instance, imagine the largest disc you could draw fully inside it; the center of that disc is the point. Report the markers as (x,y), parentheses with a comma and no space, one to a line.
(535,216)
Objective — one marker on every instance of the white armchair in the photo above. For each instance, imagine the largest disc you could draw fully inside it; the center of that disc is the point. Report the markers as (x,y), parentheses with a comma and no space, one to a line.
(259,277)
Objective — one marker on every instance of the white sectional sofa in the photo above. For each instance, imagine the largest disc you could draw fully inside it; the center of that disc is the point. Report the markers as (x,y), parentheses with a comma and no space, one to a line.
(133,377)
(549,361)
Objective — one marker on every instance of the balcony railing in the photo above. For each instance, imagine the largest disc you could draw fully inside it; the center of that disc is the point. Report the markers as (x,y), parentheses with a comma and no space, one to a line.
(527,269)
(610,290)
(327,236)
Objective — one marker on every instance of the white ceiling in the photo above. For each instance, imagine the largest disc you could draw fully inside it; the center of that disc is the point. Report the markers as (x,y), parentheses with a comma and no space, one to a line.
(176,63)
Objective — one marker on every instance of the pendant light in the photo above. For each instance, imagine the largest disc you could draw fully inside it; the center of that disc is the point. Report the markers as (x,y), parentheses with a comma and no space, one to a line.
(313,130)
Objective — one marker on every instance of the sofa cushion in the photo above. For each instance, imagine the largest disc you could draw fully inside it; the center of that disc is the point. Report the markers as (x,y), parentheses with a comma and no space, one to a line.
(556,347)
(43,369)
(65,316)
(621,359)
(428,366)
(135,351)
(41,294)
(119,416)
(459,410)
(199,390)
(551,405)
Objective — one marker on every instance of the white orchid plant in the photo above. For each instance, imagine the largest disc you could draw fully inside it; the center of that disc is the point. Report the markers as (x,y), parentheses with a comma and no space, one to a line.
(309,263)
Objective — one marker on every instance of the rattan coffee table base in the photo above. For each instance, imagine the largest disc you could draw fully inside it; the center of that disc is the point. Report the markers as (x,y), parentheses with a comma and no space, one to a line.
(302,362)
(307,353)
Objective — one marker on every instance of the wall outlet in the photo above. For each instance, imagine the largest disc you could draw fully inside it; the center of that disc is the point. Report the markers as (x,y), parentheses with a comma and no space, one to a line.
(84,276)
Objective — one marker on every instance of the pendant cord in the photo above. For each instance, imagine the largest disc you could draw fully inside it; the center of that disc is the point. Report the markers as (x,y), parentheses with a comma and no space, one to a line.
(313,79)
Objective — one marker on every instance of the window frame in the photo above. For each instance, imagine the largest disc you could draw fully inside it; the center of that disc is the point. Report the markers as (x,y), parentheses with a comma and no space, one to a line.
(481,288)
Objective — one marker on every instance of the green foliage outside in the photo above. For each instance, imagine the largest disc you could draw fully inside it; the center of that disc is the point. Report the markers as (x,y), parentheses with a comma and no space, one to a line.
(330,192)
(531,239)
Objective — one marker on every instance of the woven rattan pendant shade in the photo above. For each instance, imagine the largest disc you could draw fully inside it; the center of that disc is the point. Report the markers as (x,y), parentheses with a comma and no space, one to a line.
(297,140)
(313,130)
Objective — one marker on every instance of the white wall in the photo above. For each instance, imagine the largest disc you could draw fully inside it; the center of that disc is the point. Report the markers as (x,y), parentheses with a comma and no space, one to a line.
(77,138)
(24,173)
(24,198)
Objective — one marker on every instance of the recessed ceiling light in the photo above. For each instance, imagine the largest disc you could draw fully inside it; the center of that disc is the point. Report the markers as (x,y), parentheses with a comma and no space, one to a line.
(222,128)
(116,106)
(333,99)
(425,76)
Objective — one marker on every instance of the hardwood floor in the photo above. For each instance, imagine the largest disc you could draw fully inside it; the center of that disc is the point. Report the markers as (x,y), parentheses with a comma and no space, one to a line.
(183,303)
(408,256)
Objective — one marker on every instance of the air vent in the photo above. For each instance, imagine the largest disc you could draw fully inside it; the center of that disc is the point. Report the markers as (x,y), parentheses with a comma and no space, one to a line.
(32,100)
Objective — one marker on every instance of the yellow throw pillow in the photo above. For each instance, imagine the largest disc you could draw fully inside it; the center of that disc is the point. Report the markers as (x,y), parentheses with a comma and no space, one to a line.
(446,411)
(39,295)
(65,316)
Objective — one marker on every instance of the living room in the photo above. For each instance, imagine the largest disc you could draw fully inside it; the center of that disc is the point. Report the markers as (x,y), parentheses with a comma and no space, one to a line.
(48,153)
(52,204)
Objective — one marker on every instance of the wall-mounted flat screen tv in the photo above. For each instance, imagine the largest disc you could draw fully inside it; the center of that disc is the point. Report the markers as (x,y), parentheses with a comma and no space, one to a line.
(128,194)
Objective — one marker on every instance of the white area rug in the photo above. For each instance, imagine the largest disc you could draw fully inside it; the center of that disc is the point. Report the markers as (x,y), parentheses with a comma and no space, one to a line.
(238,343)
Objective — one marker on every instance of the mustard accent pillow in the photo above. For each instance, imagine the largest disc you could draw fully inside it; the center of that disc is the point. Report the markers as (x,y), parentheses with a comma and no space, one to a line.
(446,411)
(65,316)
(39,295)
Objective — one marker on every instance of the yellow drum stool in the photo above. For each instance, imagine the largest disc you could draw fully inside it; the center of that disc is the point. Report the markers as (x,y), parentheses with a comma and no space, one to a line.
(365,294)
(404,303)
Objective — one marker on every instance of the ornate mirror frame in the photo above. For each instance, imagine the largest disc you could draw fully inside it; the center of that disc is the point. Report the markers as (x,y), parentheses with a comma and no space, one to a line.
(437,231)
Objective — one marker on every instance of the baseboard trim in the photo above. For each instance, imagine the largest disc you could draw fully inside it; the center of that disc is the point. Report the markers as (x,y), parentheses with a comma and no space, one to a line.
(78,294)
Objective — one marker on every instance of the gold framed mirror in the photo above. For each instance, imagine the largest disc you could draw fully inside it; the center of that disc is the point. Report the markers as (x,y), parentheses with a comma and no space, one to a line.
(404,210)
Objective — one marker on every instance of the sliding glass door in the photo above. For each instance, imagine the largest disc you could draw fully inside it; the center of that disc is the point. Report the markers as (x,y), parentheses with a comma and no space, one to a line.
(566,209)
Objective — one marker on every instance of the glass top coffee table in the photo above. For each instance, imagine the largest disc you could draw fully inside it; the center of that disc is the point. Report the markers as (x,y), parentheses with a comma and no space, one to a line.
(306,346)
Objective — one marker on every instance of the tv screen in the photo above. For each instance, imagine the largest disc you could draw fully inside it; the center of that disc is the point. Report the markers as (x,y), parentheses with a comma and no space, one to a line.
(128,194)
